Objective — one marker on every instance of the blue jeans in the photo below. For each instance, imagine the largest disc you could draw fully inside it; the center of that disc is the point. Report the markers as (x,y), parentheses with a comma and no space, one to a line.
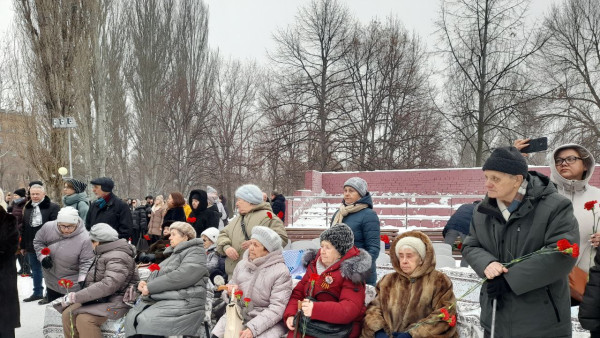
(451,236)
(36,274)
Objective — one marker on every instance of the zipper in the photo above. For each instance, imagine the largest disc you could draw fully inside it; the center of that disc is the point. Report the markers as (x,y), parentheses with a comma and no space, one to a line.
(553,304)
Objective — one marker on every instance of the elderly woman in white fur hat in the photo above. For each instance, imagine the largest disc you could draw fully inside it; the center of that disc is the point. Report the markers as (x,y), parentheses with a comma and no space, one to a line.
(264,278)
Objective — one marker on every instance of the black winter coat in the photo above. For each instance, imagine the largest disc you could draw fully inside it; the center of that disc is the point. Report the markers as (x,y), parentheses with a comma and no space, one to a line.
(49,212)
(589,316)
(115,213)
(9,295)
(205,217)
(140,219)
(176,214)
(17,211)
(278,204)
(461,219)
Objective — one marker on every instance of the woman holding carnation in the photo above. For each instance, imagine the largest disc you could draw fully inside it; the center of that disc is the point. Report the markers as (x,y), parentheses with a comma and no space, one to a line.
(64,249)
(521,213)
(409,302)
(333,288)
(266,284)
(174,295)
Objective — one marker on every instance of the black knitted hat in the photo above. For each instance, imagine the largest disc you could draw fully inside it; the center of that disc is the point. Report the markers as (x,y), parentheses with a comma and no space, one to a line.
(21,192)
(78,186)
(340,236)
(507,160)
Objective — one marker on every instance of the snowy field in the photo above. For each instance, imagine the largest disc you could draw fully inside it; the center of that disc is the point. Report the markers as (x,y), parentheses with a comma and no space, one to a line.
(32,314)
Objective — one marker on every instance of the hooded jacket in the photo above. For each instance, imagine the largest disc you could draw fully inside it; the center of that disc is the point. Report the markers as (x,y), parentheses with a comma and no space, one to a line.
(343,300)
(267,282)
(405,300)
(9,241)
(539,303)
(205,217)
(367,231)
(112,271)
(579,192)
(49,212)
(177,297)
(72,254)
(78,201)
(233,236)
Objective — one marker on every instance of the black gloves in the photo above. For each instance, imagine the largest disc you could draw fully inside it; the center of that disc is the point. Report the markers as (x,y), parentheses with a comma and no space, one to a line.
(497,287)
(47,262)
(147,258)
(81,284)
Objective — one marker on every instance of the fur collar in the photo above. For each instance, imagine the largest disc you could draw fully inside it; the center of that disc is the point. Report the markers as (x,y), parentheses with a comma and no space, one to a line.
(355,265)
(44,204)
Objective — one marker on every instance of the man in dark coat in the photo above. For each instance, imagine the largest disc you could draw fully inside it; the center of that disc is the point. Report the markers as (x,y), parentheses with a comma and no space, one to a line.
(38,211)
(109,208)
(458,226)
(9,293)
(278,204)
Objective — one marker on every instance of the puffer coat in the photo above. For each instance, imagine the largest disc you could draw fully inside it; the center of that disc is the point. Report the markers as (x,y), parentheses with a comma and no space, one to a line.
(405,300)
(267,282)
(177,297)
(539,303)
(342,301)
(78,201)
(156,221)
(233,235)
(72,254)
(589,316)
(112,271)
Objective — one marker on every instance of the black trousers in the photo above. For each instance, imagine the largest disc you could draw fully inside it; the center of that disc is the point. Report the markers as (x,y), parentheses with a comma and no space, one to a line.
(7,333)
(52,295)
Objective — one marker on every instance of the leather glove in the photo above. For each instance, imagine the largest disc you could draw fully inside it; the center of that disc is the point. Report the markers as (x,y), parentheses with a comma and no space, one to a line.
(147,258)
(47,262)
(497,287)
(401,335)
(381,334)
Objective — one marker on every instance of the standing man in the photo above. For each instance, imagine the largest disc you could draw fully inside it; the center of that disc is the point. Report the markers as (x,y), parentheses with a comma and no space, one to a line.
(109,208)
(521,213)
(38,211)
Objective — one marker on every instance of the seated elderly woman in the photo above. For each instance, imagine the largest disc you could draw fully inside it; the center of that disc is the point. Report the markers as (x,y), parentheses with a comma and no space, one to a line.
(214,261)
(112,271)
(264,278)
(65,251)
(408,301)
(174,296)
(332,292)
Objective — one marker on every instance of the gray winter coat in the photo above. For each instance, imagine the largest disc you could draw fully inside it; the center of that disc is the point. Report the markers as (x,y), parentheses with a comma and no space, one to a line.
(78,201)
(177,297)
(538,304)
(112,271)
(267,282)
(72,254)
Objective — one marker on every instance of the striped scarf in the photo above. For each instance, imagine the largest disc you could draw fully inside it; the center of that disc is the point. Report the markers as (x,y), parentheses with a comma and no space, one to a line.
(507,211)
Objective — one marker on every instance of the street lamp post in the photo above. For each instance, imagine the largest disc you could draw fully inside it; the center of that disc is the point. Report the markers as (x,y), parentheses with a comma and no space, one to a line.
(66,122)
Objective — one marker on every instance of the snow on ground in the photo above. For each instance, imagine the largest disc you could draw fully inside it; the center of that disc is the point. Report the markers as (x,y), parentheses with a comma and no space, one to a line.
(32,314)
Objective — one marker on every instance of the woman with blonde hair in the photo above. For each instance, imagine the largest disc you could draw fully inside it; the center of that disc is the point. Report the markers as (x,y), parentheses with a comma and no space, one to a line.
(156,218)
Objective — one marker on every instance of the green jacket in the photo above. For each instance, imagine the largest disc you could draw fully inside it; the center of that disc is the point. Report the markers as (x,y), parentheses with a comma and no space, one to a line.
(233,236)
(539,303)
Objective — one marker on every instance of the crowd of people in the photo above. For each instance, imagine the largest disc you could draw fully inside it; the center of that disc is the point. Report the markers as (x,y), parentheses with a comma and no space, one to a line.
(161,263)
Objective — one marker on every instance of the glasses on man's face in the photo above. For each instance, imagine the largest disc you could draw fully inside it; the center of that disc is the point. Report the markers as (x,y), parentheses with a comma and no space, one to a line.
(67,227)
(569,159)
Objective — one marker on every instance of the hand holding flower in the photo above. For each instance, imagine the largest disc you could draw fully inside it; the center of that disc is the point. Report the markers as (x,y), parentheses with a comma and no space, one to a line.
(494,269)
(307,307)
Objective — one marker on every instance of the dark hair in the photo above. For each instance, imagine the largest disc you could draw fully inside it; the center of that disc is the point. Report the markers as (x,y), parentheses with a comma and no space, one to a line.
(178,200)
(166,224)
(69,185)
(149,196)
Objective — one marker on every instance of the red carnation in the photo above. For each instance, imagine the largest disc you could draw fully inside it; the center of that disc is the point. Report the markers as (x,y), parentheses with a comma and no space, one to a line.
(590,205)
(154,267)
(65,283)
(575,252)
(269,214)
(238,294)
(146,237)
(45,251)
(314,277)
(563,244)
(167,245)
(247,301)
(452,321)
(280,215)
(459,245)
(191,219)
(445,313)
(385,239)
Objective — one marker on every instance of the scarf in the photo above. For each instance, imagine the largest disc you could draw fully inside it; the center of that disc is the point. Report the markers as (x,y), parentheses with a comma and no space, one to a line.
(507,211)
(36,215)
(347,209)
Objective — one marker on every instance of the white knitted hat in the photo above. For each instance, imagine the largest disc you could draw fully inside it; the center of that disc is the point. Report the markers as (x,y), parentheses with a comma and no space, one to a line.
(413,242)
(68,215)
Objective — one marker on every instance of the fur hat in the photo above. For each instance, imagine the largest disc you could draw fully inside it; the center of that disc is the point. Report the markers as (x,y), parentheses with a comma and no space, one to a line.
(413,242)
(250,193)
(340,236)
(267,237)
(103,232)
(68,215)
(211,233)
(358,184)
(78,186)
(185,228)
(507,160)
(21,192)
(105,183)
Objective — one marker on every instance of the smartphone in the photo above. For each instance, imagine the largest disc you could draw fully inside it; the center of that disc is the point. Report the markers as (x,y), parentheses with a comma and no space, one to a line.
(535,145)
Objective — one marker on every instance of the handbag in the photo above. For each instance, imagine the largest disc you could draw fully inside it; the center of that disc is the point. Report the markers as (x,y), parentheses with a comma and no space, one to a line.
(234,321)
(578,279)
(318,328)
(142,244)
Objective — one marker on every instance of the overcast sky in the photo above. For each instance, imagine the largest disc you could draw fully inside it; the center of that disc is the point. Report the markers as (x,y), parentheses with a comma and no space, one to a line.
(243,28)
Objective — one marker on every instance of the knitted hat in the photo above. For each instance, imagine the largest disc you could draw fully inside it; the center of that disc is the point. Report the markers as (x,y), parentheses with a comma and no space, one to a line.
(210,190)
(267,237)
(105,183)
(68,215)
(211,233)
(507,160)
(21,192)
(103,232)
(78,186)
(250,193)
(340,236)
(358,184)
(413,242)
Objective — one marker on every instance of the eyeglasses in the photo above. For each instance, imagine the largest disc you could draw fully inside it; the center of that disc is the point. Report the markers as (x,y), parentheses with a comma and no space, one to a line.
(67,227)
(569,159)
